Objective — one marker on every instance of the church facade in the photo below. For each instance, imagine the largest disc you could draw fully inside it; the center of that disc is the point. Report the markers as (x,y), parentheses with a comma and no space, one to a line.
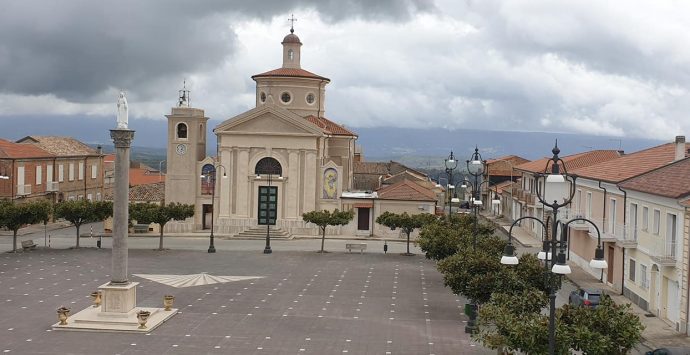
(283,151)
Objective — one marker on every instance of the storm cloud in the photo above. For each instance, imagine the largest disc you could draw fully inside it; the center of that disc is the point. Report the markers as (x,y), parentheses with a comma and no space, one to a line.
(613,68)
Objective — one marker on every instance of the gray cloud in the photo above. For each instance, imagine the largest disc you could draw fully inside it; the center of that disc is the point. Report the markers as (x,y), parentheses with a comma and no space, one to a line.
(77,49)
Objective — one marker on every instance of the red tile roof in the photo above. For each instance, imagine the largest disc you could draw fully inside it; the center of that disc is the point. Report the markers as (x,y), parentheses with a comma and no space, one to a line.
(21,151)
(407,191)
(668,181)
(60,146)
(572,162)
(291,73)
(141,176)
(630,165)
(330,127)
(503,166)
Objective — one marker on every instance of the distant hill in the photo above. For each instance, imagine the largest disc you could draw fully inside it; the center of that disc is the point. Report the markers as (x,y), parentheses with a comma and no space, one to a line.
(422,148)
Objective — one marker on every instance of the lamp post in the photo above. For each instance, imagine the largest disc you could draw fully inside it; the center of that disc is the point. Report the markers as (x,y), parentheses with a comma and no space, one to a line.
(208,174)
(451,164)
(268,210)
(555,188)
(475,167)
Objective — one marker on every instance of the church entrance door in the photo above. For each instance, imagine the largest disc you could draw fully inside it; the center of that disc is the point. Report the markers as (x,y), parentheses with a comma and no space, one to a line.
(207,210)
(363,219)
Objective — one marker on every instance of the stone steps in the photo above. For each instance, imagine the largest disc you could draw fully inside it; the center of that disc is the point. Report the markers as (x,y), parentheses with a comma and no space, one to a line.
(260,233)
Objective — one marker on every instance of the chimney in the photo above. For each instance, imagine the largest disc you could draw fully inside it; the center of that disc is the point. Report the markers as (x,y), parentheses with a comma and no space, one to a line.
(680,148)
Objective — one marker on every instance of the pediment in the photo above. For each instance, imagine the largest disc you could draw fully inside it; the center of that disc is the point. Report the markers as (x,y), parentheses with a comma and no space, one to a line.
(269,119)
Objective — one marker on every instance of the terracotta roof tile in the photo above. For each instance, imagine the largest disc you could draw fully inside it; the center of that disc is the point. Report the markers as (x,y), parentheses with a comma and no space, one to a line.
(154,192)
(668,181)
(330,127)
(141,176)
(60,146)
(630,165)
(21,151)
(503,166)
(407,191)
(291,73)
(572,162)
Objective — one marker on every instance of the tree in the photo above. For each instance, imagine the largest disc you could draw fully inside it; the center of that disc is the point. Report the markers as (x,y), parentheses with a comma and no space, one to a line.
(444,237)
(79,212)
(478,274)
(408,223)
(16,215)
(147,213)
(325,218)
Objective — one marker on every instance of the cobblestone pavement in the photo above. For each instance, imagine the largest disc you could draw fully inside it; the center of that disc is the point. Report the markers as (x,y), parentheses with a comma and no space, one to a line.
(304,303)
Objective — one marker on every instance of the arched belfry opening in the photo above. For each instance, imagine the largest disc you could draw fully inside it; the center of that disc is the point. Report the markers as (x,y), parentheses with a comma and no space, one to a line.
(268,166)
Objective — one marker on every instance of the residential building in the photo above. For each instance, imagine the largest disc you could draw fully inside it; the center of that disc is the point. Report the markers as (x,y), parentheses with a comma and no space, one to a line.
(656,246)
(76,171)
(26,172)
(600,197)
(500,172)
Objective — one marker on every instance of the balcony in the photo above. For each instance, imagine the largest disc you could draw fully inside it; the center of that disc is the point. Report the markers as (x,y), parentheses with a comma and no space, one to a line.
(664,254)
(53,186)
(23,190)
(609,233)
(567,214)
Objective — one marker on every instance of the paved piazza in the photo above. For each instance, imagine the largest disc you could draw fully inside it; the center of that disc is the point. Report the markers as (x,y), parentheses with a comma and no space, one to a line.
(302,302)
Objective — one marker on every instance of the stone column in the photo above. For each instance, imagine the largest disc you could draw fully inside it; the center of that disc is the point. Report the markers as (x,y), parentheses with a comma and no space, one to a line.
(122,139)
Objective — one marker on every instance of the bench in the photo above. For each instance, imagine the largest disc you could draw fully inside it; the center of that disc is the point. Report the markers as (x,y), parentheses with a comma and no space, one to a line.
(360,246)
(28,244)
(141,228)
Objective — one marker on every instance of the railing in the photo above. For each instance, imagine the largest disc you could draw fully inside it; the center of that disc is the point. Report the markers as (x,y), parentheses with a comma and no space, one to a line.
(622,232)
(665,253)
(23,190)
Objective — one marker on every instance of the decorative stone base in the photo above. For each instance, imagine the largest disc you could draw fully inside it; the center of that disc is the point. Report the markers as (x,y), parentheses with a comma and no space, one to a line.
(92,319)
(118,298)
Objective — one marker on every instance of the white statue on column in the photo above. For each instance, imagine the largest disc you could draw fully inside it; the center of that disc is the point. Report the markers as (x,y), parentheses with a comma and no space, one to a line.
(122,108)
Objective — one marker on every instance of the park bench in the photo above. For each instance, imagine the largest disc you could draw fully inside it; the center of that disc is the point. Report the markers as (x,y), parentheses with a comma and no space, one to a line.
(360,246)
(141,228)
(28,244)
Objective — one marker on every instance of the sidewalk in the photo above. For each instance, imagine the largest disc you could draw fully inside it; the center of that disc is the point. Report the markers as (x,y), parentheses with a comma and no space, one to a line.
(37,228)
(656,334)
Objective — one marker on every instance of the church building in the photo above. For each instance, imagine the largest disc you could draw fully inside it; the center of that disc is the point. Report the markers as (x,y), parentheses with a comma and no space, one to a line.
(283,151)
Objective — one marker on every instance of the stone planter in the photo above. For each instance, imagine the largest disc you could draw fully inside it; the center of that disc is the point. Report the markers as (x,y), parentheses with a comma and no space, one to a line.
(96,296)
(63,313)
(143,317)
(168,302)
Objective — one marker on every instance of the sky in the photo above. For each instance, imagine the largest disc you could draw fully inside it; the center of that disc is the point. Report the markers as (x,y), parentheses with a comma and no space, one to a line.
(614,68)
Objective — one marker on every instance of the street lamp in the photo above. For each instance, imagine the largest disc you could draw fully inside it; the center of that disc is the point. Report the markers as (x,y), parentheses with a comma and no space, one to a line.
(555,188)
(208,174)
(267,248)
(451,164)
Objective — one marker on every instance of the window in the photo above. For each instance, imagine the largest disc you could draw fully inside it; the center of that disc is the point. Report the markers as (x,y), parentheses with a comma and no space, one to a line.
(633,219)
(20,175)
(291,54)
(262,97)
(61,173)
(39,174)
(98,196)
(94,171)
(612,217)
(70,172)
(311,98)
(49,172)
(588,208)
(645,218)
(80,197)
(643,276)
(89,197)
(657,218)
(578,201)
(267,166)
(631,270)
(181,130)
(285,97)
(81,170)
(671,237)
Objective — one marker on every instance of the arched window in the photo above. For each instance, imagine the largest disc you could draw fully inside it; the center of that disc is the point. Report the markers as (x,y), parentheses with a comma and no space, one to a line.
(182,130)
(291,54)
(208,179)
(268,165)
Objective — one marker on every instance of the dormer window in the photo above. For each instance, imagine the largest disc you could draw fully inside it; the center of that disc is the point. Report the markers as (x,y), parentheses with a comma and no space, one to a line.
(291,54)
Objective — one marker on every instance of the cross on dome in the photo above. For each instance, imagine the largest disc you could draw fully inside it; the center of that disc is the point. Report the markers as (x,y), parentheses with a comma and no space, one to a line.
(292,20)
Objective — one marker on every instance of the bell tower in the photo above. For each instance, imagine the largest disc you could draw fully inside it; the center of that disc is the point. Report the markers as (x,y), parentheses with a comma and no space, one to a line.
(186,147)
(291,47)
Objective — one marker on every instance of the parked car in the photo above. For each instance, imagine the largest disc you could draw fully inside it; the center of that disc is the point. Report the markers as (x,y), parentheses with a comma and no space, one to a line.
(585,297)
(669,351)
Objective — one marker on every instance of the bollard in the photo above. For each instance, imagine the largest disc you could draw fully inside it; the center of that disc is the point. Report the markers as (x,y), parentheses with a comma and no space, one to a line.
(385,247)
(48,240)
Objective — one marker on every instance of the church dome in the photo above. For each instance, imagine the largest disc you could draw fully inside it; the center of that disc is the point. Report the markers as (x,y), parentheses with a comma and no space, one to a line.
(291,38)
